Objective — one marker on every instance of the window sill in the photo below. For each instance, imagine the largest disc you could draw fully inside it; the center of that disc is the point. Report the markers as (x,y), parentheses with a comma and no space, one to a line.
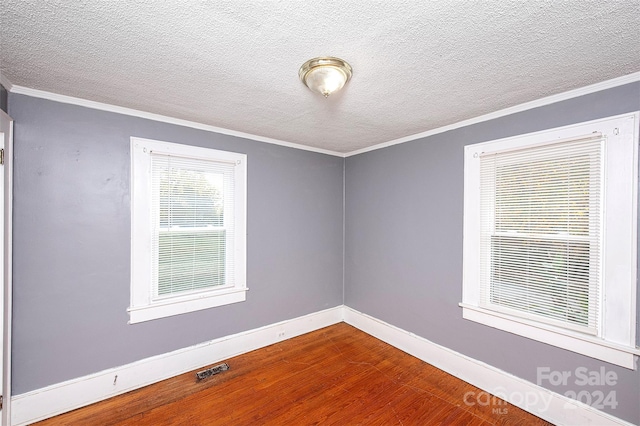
(177,306)
(576,342)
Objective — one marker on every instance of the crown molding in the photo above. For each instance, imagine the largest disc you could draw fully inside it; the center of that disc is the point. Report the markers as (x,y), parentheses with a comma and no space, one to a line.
(615,82)
(161,118)
(5,82)
(597,87)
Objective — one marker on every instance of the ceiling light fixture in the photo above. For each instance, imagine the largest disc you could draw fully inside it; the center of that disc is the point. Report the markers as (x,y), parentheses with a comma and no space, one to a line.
(325,74)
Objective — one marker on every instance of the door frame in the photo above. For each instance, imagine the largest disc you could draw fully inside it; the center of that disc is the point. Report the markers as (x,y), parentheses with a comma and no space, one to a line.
(6,127)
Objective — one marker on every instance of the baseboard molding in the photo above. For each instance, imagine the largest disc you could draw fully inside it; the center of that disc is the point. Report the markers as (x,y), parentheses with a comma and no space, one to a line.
(535,399)
(66,396)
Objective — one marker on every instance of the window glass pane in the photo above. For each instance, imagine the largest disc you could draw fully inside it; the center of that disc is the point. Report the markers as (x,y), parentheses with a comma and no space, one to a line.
(544,197)
(190,259)
(540,238)
(542,276)
(192,230)
(190,198)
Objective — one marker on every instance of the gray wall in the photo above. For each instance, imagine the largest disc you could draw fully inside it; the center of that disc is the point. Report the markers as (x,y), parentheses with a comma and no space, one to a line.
(72,241)
(403,239)
(3,98)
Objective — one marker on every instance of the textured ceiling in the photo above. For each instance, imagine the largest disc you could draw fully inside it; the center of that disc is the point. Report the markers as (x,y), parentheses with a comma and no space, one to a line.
(418,65)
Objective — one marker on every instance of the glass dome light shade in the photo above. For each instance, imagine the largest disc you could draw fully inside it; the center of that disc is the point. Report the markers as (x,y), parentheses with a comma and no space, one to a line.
(325,75)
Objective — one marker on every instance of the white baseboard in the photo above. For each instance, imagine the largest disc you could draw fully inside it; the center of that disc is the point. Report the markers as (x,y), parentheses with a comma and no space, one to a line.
(548,405)
(62,397)
(66,396)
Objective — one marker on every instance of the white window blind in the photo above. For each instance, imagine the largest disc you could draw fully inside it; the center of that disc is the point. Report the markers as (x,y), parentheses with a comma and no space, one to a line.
(192,225)
(540,241)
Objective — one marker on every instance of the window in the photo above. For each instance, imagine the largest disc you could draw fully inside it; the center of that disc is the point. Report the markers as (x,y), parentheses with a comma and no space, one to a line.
(188,218)
(550,230)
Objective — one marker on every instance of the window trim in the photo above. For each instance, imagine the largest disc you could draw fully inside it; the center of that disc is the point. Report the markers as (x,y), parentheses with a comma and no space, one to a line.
(616,340)
(144,306)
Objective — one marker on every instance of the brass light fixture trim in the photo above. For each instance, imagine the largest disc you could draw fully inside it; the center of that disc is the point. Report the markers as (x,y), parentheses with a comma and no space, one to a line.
(325,74)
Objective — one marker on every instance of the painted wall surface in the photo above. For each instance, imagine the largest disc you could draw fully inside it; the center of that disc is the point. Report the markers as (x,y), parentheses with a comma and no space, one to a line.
(72,241)
(403,254)
(3,98)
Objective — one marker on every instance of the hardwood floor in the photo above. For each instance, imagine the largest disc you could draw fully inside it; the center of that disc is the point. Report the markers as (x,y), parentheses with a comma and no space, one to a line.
(334,376)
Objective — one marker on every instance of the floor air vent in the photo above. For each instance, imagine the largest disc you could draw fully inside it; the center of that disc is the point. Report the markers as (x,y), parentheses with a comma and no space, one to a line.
(211,371)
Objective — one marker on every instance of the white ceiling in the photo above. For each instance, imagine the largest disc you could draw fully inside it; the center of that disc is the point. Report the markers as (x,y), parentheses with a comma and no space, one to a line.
(418,65)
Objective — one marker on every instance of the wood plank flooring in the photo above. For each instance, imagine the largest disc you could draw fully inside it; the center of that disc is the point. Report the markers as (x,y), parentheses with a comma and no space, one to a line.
(334,376)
